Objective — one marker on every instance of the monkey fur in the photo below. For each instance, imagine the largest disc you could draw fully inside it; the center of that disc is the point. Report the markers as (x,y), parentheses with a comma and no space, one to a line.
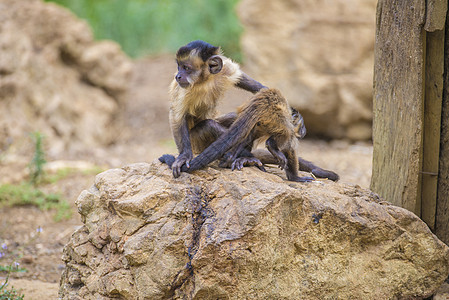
(265,116)
(204,74)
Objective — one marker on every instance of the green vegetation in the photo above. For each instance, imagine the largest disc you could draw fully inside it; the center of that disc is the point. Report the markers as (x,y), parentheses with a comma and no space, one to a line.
(66,172)
(10,293)
(37,163)
(12,269)
(27,194)
(148,27)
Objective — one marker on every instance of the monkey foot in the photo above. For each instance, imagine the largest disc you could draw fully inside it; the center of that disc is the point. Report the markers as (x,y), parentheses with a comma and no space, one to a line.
(241,162)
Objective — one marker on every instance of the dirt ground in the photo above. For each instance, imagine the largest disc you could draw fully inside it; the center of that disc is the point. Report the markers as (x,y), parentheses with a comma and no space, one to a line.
(144,135)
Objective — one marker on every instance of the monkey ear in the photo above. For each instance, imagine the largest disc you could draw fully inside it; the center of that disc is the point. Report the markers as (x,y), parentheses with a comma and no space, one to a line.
(215,64)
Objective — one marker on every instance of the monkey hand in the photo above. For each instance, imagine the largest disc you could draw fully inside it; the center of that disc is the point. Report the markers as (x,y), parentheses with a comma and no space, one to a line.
(182,159)
(282,160)
(241,162)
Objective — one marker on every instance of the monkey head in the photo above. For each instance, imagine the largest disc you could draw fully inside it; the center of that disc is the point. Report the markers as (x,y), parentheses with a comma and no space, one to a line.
(197,62)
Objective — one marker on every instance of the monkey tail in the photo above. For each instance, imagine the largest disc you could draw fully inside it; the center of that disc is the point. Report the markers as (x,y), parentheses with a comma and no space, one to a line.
(167,159)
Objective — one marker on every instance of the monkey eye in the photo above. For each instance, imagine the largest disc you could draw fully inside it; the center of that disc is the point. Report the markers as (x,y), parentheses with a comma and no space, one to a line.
(186,68)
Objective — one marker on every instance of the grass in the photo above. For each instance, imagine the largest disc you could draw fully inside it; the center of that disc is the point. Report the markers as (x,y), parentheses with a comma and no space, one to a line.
(66,172)
(6,292)
(9,293)
(36,165)
(150,27)
(27,194)
(12,269)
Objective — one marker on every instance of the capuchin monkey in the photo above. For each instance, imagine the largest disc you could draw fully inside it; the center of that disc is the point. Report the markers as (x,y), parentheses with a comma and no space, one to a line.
(266,116)
(204,74)
(254,157)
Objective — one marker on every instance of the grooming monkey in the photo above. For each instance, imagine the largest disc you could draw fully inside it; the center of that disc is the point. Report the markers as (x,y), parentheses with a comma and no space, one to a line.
(256,156)
(266,115)
(203,76)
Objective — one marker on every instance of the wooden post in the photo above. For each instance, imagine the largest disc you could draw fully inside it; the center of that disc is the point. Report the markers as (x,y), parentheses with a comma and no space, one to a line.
(442,211)
(398,102)
(432,123)
(411,109)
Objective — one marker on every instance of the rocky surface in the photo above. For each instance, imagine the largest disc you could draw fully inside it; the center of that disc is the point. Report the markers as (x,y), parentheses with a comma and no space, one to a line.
(218,234)
(54,78)
(320,55)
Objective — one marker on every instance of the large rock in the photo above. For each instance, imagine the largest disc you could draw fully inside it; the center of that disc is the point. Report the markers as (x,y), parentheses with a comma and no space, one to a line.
(320,54)
(218,234)
(54,78)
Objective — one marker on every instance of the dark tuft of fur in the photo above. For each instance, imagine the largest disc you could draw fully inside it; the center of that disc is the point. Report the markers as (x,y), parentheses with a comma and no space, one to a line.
(206,50)
(167,159)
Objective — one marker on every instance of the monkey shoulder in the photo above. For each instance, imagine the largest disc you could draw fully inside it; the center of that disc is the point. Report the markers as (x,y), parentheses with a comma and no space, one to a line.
(231,71)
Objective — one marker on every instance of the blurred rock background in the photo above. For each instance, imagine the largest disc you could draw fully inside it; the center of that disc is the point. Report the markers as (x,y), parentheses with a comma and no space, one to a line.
(320,54)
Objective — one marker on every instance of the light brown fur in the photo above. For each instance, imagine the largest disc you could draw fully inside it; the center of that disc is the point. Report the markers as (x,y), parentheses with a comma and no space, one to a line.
(271,115)
(200,100)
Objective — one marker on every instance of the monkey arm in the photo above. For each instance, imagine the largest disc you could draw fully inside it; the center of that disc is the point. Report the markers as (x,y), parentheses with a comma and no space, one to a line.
(182,140)
(227,119)
(235,135)
(247,83)
(277,154)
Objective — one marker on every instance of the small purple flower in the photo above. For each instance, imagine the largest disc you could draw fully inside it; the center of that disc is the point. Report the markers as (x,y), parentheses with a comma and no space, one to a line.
(16,265)
(39,229)
(2,254)
(4,246)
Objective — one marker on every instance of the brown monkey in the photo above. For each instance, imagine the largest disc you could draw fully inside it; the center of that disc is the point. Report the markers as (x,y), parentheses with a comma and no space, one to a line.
(266,115)
(203,76)
(255,157)
(263,156)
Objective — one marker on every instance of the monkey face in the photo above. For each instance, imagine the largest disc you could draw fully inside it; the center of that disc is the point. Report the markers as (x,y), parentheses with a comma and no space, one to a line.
(197,61)
(185,74)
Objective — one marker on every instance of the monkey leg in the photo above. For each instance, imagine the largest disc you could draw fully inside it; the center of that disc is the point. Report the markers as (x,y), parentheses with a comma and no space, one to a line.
(304,165)
(205,133)
(247,161)
(240,156)
(272,146)
(292,167)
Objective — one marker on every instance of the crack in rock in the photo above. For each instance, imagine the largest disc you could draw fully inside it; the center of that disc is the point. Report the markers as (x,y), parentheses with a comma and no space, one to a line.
(199,200)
